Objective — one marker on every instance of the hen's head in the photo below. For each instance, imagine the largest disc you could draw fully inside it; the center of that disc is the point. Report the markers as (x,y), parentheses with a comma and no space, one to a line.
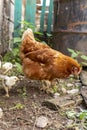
(74,67)
(10,81)
(14,79)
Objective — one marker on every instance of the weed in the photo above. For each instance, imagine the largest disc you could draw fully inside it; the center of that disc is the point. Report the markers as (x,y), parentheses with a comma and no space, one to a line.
(77,54)
(17,106)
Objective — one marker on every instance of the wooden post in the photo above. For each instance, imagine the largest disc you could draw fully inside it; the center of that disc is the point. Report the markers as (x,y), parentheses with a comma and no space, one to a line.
(30,11)
(1,16)
(50,17)
(42,16)
(17,17)
(11,18)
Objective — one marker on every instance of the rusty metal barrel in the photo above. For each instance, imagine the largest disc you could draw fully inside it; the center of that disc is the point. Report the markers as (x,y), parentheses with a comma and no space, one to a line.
(70,25)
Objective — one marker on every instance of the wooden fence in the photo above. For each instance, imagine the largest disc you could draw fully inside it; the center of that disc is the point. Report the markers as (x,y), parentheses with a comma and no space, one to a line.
(6,24)
(12,12)
(31,11)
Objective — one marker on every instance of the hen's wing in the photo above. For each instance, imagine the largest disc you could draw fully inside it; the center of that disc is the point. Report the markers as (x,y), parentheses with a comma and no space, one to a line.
(31,46)
(43,55)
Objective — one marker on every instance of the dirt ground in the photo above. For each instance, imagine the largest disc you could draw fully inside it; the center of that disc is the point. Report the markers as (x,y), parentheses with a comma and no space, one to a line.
(24,106)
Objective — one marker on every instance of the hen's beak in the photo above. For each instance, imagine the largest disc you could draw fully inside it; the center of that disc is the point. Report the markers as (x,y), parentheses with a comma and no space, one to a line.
(17,79)
(80,70)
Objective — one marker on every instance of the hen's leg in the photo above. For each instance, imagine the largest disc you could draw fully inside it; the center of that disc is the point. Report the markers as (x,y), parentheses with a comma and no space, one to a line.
(55,85)
(46,86)
(6,71)
(50,86)
(6,89)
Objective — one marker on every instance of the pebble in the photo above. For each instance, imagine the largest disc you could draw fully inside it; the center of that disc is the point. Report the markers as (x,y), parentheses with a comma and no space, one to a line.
(78,84)
(70,122)
(73,91)
(63,90)
(76,128)
(56,95)
(1,113)
(41,122)
(78,81)
(69,85)
(34,96)
(83,77)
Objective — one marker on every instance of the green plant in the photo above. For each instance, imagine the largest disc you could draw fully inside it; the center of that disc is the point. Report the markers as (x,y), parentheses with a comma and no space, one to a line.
(50,36)
(13,55)
(17,106)
(82,115)
(55,88)
(79,119)
(78,54)
(74,54)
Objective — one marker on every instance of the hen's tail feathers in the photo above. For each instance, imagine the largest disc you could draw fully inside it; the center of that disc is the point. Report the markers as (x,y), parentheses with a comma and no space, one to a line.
(28,33)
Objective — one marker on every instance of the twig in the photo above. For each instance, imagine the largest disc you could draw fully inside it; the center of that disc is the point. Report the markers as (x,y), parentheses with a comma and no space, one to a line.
(34,124)
(4,123)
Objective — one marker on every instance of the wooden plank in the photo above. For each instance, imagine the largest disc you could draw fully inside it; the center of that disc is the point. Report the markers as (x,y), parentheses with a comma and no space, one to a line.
(30,11)
(42,16)
(17,17)
(11,21)
(1,16)
(50,17)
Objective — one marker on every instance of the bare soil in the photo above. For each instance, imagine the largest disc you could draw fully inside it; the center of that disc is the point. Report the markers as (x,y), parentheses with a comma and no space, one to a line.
(24,106)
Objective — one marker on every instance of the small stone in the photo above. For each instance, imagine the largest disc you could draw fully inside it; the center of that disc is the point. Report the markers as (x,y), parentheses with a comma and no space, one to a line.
(63,90)
(34,96)
(76,128)
(78,81)
(78,84)
(41,122)
(56,95)
(1,112)
(84,93)
(70,122)
(83,77)
(73,91)
(69,85)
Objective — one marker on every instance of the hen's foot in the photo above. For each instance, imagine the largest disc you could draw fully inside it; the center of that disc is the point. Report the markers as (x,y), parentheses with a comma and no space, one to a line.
(7,95)
(50,87)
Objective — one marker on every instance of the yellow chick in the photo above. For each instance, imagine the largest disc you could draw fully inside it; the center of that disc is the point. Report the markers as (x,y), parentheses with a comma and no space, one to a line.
(8,82)
(7,66)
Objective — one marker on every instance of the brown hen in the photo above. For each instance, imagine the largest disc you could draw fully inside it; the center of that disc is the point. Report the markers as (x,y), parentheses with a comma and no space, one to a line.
(40,62)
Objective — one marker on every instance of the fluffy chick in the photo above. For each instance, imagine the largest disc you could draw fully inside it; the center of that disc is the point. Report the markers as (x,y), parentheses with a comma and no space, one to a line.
(7,66)
(8,82)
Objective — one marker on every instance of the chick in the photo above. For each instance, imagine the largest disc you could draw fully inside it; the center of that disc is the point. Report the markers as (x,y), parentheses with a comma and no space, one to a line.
(7,66)
(8,82)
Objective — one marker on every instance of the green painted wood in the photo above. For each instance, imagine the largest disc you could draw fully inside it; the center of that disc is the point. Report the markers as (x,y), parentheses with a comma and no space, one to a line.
(30,11)
(50,17)
(42,16)
(17,17)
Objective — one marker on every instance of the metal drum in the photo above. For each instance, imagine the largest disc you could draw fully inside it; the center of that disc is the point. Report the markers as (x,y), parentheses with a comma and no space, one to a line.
(70,25)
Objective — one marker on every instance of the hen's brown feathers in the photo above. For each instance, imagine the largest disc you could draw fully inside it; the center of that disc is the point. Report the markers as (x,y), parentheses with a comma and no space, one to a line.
(42,62)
